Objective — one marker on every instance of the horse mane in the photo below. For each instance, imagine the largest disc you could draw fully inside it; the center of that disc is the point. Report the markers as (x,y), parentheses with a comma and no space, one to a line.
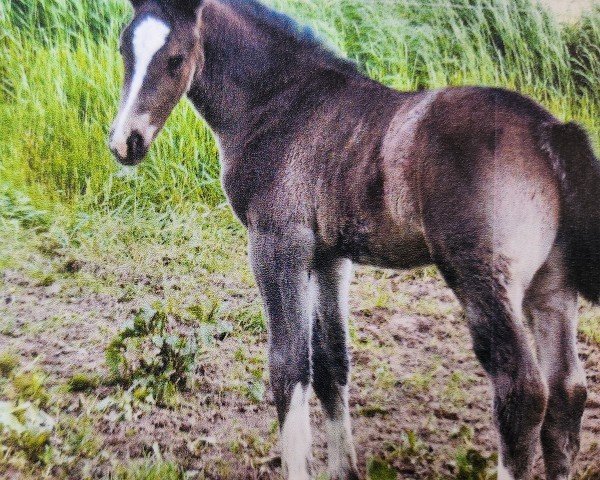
(300,35)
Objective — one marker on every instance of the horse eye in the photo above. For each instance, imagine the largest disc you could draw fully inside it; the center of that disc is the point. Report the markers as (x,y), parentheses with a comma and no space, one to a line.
(174,63)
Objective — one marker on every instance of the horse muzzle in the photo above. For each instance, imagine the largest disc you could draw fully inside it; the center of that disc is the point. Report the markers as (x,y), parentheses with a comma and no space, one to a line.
(129,151)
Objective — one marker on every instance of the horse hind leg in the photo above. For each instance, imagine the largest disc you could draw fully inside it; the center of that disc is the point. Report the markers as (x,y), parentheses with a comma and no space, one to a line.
(551,306)
(520,392)
(490,287)
(490,228)
(492,299)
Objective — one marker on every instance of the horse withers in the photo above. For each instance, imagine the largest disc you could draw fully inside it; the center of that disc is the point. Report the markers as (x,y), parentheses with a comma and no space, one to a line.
(326,167)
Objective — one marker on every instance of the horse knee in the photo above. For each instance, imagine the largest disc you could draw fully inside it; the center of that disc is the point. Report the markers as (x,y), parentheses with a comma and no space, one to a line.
(536,395)
(520,388)
(576,392)
(536,392)
(567,401)
(567,404)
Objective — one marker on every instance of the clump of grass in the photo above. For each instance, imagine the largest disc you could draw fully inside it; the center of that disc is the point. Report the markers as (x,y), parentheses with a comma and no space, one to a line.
(83,382)
(8,362)
(44,279)
(30,386)
(411,450)
(384,376)
(149,470)
(249,319)
(205,313)
(379,469)
(589,326)
(151,358)
(372,409)
(17,206)
(78,437)
(420,382)
(255,391)
(473,465)
(25,430)
(455,390)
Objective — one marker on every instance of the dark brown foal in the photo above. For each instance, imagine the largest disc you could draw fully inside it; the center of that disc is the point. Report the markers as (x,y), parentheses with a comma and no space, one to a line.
(326,167)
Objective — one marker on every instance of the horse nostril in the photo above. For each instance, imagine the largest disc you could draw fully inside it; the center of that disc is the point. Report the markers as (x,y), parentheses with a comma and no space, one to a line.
(135,145)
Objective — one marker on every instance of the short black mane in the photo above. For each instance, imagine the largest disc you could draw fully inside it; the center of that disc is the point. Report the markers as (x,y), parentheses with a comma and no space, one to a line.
(286,26)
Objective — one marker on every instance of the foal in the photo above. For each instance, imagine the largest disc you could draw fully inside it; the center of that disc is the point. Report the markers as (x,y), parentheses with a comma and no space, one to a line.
(326,167)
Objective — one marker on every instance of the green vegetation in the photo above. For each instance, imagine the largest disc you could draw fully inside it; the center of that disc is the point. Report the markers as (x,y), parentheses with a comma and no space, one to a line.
(83,382)
(25,429)
(472,465)
(8,362)
(30,386)
(589,325)
(151,357)
(150,470)
(60,77)
(378,469)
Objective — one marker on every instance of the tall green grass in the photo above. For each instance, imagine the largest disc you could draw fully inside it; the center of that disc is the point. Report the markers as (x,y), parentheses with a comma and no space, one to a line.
(60,75)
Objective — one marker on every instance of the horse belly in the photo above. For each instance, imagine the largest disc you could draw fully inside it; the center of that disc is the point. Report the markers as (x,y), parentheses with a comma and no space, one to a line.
(388,245)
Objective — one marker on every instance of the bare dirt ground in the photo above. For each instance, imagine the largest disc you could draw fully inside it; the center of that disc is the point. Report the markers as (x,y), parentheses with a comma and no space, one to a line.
(419,399)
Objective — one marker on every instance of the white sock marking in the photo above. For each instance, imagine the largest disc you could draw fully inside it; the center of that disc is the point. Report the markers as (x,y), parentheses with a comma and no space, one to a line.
(341,456)
(296,437)
(503,473)
(148,38)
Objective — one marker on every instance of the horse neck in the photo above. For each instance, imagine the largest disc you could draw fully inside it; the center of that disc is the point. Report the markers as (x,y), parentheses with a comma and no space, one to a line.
(248,70)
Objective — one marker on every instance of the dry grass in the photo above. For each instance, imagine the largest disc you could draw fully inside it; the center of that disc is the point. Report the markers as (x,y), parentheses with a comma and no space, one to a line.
(569,10)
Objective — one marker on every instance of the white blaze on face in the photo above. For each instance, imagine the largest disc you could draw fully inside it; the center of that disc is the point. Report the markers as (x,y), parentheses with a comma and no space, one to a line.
(148,38)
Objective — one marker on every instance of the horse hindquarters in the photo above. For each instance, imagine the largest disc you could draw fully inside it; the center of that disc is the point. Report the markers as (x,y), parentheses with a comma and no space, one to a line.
(489,236)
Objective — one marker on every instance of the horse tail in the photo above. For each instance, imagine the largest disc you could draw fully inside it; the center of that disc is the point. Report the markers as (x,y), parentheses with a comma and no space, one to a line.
(572,156)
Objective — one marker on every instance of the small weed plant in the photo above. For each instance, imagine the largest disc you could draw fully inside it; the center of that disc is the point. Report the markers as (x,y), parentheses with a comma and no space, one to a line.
(25,425)
(25,429)
(151,358)
(473,465)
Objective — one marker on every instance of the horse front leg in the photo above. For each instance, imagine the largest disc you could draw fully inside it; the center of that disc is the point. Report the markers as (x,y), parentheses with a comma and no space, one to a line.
(331,364)
(281,265)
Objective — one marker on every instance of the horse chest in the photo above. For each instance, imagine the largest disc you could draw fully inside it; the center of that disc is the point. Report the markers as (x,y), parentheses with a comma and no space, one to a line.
(244,181)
